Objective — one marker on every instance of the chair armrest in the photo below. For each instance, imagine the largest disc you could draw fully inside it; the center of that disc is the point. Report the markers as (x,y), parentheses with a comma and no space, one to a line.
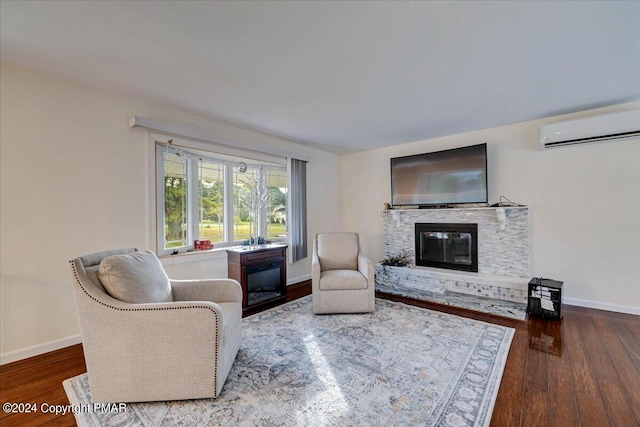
(215,290)
(141,320)
(365,267)
(315,271)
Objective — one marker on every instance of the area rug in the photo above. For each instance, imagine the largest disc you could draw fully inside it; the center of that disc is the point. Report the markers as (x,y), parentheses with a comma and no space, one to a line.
(401,365)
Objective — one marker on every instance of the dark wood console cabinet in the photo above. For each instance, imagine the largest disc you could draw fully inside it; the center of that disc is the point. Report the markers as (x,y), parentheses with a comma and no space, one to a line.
(262,272)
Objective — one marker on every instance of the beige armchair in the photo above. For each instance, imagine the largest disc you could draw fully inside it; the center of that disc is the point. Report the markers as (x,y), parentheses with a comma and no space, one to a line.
(342,279)
(148,338)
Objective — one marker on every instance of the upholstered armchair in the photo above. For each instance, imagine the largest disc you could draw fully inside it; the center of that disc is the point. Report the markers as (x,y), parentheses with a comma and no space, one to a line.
(148,338)
(342,278)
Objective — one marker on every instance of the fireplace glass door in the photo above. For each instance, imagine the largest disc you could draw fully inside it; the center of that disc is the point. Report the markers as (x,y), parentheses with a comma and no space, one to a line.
(449,247)
(264,282)
(452,246)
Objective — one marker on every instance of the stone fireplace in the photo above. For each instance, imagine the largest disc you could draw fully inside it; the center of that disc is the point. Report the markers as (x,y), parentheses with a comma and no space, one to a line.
(501,236)
(447,245)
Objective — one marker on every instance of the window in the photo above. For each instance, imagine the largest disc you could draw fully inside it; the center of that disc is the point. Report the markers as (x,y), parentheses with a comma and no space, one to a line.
(204,195)
(211,201)
(175,200)
(276,182)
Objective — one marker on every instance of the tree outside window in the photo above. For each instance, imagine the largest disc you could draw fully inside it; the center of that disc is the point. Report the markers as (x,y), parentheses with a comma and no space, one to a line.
(175,201)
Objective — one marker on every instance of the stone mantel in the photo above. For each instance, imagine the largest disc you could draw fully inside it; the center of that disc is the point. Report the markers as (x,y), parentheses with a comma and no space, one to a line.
(503,235)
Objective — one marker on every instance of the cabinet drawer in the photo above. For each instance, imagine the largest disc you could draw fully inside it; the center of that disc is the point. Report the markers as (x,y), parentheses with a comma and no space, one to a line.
(264,256)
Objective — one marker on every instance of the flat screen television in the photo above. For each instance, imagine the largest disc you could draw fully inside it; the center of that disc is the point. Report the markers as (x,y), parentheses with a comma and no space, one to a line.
(447,177)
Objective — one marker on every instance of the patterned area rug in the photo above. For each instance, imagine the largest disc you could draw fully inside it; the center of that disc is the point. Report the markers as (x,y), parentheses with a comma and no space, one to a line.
(400,365)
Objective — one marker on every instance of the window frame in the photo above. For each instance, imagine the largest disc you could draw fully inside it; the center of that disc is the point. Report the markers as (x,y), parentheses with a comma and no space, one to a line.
(159,203)
(193,155)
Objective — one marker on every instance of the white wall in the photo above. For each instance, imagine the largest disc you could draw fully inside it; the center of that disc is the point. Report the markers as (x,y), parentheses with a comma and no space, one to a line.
(74,180)
(584,204)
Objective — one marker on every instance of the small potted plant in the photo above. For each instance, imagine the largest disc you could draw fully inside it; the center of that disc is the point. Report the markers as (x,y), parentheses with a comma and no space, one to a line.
(401,259)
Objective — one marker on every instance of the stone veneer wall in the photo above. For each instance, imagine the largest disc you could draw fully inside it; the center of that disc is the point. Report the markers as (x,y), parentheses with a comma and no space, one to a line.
(500,252)
(439,282)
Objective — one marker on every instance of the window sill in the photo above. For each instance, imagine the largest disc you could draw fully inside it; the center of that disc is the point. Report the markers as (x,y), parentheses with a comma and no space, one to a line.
(205,255)
(194,256)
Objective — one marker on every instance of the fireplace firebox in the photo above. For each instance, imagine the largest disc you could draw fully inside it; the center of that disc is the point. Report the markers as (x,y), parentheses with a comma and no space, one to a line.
(444,245)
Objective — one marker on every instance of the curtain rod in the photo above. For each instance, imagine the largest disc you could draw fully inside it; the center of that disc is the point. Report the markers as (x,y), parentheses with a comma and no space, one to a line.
(223,157)
(181,131)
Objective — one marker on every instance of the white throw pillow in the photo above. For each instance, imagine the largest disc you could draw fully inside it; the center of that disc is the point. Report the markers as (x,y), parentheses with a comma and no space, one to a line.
(136,278)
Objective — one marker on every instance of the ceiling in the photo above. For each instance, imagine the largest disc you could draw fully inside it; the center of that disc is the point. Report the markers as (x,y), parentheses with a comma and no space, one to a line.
(341,76)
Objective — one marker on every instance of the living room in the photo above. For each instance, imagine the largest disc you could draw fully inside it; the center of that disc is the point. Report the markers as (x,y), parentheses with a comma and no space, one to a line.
(77,179)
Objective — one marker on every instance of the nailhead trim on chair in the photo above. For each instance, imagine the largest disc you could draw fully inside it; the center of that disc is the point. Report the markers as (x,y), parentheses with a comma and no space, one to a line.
(215,379)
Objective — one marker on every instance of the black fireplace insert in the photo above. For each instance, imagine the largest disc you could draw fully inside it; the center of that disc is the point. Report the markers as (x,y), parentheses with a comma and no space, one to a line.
(264,282)
(446,245)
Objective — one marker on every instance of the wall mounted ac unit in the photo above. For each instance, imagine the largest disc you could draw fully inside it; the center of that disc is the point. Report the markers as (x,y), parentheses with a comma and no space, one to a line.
(591,129)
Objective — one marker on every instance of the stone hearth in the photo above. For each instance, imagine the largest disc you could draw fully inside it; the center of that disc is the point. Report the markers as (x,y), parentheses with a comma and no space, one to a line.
(438,281)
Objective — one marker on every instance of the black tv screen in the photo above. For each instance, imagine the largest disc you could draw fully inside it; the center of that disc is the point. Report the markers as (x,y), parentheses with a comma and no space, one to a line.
(441,178)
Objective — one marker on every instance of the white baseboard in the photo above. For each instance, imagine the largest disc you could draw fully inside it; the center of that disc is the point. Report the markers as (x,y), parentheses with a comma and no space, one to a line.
(298,279)
(601,306)
(35,350)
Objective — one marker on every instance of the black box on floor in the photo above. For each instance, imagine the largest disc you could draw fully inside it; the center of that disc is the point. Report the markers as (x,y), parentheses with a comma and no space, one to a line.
(545,298)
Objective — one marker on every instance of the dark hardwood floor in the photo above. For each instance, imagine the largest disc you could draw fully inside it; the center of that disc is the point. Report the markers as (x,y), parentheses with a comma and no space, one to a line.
(581,371)
(39,380)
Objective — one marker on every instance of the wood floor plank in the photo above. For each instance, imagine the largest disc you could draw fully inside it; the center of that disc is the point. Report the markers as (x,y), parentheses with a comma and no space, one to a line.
(535,410)
(634,326)
(591,407)
(611,389)
(563,410)
(624,316)
(39,380)
(627,338)
(623,365)
(618,408)
(510,396)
